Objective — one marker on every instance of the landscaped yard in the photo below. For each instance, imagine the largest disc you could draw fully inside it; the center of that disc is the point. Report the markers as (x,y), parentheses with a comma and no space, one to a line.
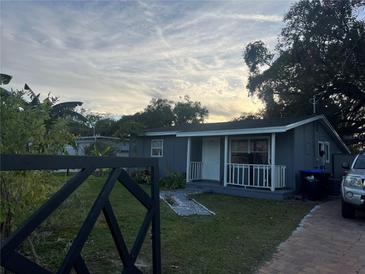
(242,234)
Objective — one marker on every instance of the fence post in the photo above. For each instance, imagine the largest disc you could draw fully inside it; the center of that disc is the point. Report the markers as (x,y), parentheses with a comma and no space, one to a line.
(156,241)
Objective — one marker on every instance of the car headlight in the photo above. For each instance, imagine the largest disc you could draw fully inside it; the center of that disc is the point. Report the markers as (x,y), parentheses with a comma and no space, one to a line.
(353,181)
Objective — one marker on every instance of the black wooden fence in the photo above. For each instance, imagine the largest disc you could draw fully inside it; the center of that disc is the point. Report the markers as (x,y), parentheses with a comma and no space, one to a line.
(17,263)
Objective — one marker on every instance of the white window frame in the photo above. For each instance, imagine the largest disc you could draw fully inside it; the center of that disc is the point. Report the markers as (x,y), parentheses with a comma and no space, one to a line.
(327,155)
(249,139)
(157,140)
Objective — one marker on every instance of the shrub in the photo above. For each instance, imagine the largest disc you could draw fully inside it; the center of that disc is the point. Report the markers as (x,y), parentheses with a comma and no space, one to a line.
(142,177)
(27,128)
(173,181)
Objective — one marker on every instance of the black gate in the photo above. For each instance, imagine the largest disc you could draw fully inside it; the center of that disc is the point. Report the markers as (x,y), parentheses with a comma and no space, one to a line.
(17,263)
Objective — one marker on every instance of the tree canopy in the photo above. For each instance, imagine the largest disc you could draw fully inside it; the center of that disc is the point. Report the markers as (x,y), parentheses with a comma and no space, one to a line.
(188,112)
(320,52)
(161,113)
(158,113)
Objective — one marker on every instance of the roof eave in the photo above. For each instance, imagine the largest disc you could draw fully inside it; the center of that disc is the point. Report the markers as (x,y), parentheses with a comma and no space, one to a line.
(231,132)
(160,133)
(336,135)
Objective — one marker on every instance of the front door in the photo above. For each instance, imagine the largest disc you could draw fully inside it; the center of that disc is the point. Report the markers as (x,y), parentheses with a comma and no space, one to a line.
(211,159)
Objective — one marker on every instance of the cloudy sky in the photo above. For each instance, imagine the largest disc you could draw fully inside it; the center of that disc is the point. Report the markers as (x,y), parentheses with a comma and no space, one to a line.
(117,55)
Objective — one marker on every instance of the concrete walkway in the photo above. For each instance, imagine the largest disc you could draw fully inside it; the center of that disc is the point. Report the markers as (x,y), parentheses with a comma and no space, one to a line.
(323,243)
(182,204)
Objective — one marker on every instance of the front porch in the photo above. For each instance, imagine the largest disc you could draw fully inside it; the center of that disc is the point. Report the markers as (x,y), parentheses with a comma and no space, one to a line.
(236,161)
(233,190)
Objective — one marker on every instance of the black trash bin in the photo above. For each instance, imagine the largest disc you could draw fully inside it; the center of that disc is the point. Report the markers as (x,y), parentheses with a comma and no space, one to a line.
(314,184)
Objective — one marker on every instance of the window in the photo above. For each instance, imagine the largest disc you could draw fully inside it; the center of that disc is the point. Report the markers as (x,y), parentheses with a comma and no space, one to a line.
(250,151)
(240,152)
(259,151)
(156,148)
(324,150)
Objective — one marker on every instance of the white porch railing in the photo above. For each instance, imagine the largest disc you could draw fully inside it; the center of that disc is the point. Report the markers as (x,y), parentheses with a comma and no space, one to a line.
(258,176)
(195,171)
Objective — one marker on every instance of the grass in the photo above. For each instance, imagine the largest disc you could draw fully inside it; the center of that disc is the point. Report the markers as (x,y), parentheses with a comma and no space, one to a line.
(242,234)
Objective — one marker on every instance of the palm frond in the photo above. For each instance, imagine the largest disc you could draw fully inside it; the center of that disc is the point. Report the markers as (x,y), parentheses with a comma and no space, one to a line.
(33,97)
(5,79)
(67,109)
(4,92)
(67,105)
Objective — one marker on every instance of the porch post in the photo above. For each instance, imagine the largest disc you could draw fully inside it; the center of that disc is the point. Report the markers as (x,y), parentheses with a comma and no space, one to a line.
(273,177)
(188,160)
(225,160)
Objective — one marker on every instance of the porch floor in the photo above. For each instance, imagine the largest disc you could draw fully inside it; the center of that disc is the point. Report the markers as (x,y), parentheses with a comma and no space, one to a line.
(217,187)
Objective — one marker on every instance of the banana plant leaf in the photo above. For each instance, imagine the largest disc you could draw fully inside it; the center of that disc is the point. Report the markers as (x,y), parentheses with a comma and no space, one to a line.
(5,79)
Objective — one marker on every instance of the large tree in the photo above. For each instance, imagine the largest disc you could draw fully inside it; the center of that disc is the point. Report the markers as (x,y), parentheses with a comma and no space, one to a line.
(158,113)
(321,53)
(161,113)
(189,112)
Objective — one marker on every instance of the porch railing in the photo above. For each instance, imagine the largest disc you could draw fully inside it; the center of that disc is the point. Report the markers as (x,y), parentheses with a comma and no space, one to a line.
(257,176)
(195,171)
(15,262)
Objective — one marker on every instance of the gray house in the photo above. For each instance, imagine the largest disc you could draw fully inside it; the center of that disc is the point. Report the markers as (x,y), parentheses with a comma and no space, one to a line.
(253,158)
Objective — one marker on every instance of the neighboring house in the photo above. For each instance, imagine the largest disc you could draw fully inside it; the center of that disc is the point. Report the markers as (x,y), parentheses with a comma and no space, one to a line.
(244,156)
(120,148)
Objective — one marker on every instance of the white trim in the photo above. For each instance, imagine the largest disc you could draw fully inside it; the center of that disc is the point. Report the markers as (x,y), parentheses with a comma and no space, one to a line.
(225,160)
(273,175)
(160,133)
(303,122)
(188,152)
(335,133)
(327,155)
(230,132)
(159,140)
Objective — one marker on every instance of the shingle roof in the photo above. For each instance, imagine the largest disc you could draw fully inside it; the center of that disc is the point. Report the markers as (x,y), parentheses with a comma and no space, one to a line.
(258,126)
(246,124)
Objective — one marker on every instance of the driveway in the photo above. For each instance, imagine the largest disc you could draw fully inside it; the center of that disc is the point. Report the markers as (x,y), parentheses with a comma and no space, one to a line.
(323,243)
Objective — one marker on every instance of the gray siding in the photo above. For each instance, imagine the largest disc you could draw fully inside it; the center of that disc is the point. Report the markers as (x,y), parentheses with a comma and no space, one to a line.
(284,155)
(304,150)
(140,147)
(306,155)
(174,152)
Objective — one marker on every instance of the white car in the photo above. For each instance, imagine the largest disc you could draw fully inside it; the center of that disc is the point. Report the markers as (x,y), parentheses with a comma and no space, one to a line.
(353,187)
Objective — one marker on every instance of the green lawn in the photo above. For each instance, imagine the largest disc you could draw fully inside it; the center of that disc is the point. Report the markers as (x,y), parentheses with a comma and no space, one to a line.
(242,234)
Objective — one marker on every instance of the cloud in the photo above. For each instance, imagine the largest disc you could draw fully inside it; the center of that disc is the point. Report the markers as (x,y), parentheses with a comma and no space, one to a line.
(115,55)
